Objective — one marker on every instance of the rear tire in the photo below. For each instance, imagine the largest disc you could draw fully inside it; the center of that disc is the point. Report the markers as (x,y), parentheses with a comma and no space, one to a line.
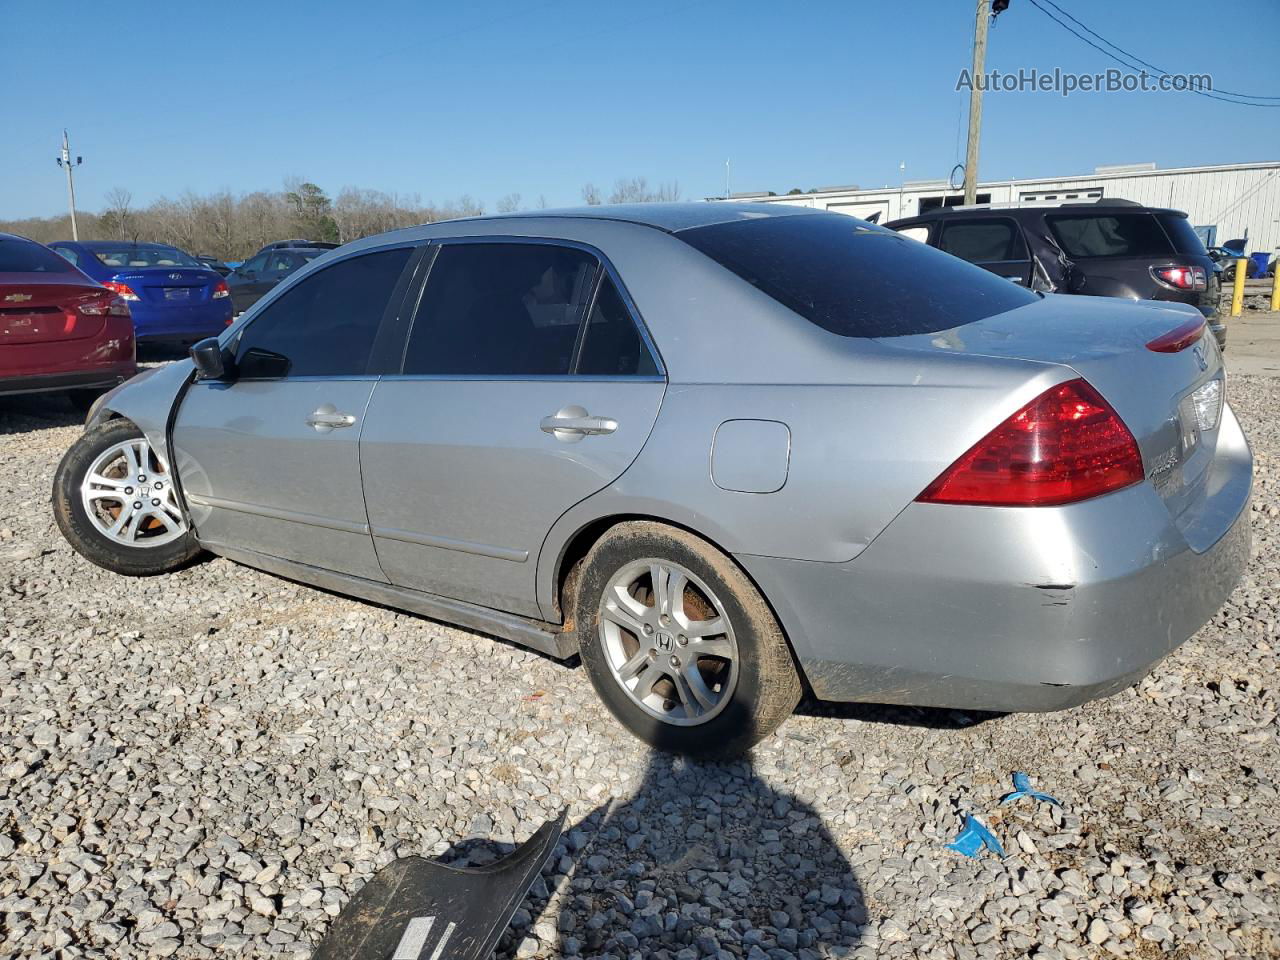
(113,518)
(679,644)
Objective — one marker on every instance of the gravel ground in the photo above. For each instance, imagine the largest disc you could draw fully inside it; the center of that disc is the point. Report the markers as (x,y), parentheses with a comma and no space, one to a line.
(211,763)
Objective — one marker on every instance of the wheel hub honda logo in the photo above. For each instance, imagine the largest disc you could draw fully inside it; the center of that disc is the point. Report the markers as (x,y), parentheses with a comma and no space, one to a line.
(665,643)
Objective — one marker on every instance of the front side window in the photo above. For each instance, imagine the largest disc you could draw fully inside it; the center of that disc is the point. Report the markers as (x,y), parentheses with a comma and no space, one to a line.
(983,241)
(855,279)
(280,263)
(129,255)
(1110,235)
(500,309)
(325,325)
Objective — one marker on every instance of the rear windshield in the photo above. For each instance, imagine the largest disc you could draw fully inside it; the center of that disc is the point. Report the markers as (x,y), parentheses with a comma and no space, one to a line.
(856,279)
(26,256)
(130,256)
(1111,235)
(1182,234)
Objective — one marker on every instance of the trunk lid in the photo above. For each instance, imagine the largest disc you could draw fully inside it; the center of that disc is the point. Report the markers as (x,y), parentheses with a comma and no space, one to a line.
(1105,342)
(42,308)
(169,286)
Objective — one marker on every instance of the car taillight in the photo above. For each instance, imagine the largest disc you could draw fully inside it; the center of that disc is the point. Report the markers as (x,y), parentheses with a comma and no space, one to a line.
(108,304)
(123,290)
(1180,337)
(1066,445)
(1181,278)
(220,290)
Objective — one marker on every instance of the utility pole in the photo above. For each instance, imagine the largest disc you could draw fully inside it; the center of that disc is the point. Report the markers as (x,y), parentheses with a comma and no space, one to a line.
(975,103)
(65,163)
(726,179)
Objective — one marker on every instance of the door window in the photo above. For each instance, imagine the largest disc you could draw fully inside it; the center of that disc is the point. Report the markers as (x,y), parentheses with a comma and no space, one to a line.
(500,309)
(253,266)
(611,343)
(983,241)
(325,325)
(280,264)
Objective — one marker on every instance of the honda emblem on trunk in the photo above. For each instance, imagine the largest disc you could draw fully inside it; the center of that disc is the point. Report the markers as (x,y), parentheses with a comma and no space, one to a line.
(17,298)
(175,276)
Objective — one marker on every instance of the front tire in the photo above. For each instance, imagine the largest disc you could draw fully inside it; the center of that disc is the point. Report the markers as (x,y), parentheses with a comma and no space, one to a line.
(679,644)
(115,502)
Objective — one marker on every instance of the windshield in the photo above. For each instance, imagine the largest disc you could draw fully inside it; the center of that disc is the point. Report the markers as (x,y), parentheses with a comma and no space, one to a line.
(853,278)
(26,256)
(127,255)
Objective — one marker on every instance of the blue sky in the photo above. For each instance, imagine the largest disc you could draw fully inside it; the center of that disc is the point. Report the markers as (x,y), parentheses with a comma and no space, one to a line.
(490,98)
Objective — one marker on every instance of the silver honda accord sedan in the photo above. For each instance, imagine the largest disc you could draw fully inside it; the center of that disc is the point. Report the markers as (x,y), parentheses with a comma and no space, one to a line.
(726,453)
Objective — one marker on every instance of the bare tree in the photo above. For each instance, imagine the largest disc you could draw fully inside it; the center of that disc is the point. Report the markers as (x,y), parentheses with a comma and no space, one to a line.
(117,220)
(591,195)
(509,204)
(636,190)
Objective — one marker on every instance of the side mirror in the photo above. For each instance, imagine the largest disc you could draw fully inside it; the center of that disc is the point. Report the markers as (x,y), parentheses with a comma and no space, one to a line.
(207,356)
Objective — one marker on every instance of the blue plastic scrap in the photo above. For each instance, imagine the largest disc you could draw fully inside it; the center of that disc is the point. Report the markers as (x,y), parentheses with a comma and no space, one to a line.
(974,837)
(1022,788)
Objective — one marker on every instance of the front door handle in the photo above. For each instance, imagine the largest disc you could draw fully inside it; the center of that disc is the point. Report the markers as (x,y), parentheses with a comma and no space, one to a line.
(572,423)
(326,417)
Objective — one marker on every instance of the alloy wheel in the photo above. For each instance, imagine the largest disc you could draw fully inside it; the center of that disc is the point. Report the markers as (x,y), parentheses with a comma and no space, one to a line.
(129,497)
(668,642)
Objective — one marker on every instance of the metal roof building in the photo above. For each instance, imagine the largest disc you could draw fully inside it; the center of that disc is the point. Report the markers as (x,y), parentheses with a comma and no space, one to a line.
(1224,202)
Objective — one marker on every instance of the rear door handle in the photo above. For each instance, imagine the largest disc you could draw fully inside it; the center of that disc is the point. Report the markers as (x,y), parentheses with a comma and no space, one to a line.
(326,417)
(573,423)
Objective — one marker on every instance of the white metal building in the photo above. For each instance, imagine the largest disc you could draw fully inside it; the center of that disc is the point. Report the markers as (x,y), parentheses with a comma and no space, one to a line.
(1228,201)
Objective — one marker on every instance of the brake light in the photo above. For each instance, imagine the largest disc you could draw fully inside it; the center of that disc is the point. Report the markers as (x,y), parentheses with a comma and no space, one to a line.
(1066,445)
(104,305)
(1181,278)
(1179,338)
(123,290)
(220,290)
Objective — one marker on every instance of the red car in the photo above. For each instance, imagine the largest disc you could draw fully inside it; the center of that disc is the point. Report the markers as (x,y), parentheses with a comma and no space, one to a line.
(59,330)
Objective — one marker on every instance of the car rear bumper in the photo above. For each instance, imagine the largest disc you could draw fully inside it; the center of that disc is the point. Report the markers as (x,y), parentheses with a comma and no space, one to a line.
(102,360)
(81,380)
(182,323)
(1022,609)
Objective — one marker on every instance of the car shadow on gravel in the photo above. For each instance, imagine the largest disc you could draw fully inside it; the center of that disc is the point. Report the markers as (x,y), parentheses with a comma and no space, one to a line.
(37,411)
(702,856)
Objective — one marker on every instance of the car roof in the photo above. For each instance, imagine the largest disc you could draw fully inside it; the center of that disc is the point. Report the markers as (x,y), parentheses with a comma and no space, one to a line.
(669,217)
(1100,207)
(108,244)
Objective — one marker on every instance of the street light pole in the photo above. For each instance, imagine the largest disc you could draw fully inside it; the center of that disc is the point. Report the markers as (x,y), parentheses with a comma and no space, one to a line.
(975,103)
(65,163)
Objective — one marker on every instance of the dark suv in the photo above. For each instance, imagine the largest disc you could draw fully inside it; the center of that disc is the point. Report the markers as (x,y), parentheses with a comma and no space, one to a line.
(1108,248)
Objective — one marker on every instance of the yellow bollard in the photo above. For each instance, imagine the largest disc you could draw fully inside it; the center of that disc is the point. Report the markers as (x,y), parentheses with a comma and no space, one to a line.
(1237,297)
(1275,292)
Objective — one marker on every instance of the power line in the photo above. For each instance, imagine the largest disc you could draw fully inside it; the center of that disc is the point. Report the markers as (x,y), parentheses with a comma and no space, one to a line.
(1145,63)
(1133,66)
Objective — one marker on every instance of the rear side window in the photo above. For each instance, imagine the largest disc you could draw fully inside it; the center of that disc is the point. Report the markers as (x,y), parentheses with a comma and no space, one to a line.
(325,325)
(1110,235)
(27,256)
(855,279)
(1183,235)
(983,241)
(500,309)
(611,344)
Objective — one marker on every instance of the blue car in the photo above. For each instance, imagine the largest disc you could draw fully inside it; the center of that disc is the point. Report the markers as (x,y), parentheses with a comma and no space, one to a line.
(172,295)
